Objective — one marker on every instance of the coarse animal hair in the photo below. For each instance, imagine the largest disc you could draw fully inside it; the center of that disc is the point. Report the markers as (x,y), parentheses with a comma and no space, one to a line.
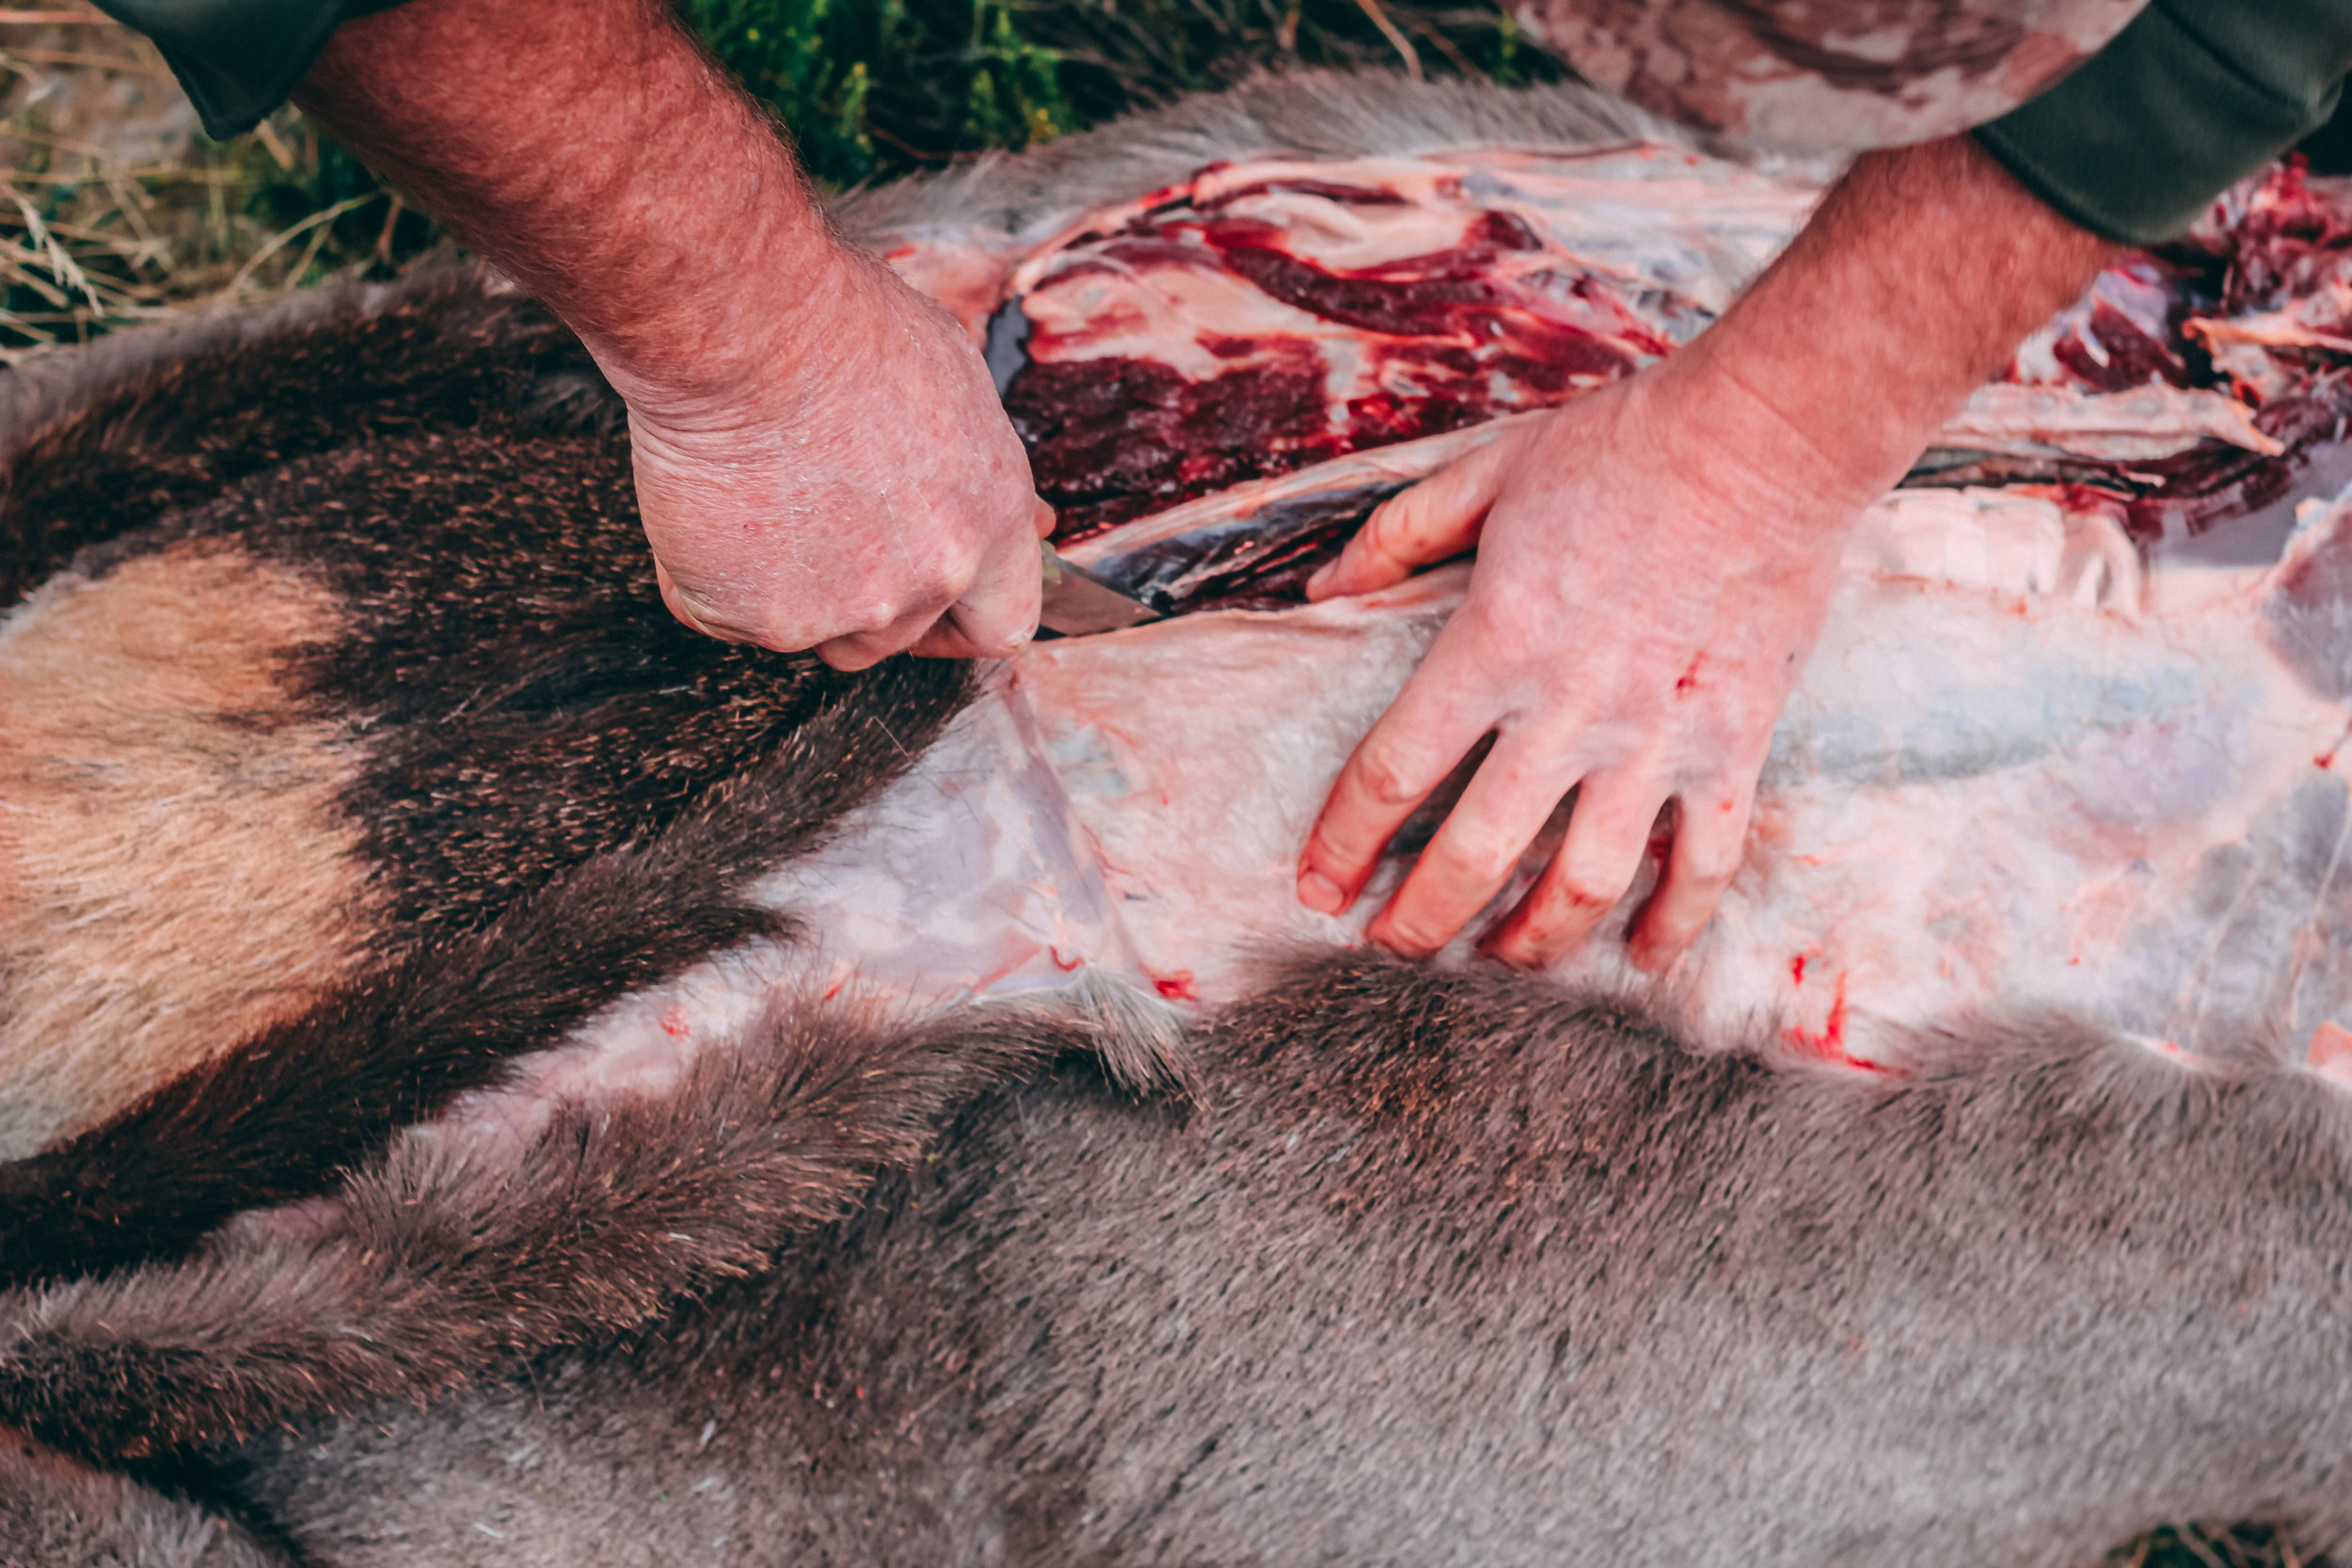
(528,790)
(1441,1268)
(1312,115)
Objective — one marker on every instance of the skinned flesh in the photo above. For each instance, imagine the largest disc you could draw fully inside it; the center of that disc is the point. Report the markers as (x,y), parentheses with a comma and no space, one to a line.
(2044,755)
(2049,753)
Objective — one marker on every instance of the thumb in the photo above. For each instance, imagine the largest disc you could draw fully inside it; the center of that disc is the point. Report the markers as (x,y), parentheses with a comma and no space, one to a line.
(681,605)
(1433,521)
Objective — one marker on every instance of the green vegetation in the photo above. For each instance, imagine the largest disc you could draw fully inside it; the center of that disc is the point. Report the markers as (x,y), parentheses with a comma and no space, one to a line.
(874,89)
(2191,1546)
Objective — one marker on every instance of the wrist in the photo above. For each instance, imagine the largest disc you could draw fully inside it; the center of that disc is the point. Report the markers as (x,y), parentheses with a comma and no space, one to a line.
(693,353)
(1754,457)
(591,151)
(1913,283)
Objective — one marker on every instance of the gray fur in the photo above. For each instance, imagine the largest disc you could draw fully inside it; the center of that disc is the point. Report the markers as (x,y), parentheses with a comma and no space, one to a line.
(54,1513)
(445,1265)
(1453,1269)
(1307,115)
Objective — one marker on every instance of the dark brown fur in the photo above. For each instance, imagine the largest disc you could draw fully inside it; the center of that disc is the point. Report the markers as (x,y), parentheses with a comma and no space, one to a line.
(561,794)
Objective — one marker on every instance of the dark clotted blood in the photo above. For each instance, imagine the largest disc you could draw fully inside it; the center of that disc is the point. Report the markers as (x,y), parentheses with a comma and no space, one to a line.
(1110,439)
(1346,196)
(2187,494)
(2133,358)
(1447,341)
(1278,577)
(1449,292)
(2290,238)
(1422,305)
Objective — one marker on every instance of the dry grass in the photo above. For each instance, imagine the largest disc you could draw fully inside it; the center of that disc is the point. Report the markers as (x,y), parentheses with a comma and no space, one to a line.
(116,210)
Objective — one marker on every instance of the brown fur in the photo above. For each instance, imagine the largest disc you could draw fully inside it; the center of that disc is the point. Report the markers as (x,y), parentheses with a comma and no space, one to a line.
(550,792)
(174,873)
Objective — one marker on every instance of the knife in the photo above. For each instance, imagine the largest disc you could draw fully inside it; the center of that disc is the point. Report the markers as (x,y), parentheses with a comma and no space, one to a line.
(1078,602)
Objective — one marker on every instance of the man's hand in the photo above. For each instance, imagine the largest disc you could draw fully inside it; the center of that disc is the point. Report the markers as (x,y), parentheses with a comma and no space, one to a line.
(821,459)
(1656,561)
(1641,601)
(859,492)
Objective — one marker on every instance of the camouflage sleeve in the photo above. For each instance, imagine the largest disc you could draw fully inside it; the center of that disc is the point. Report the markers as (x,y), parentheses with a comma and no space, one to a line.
(237,59)
(2189,98)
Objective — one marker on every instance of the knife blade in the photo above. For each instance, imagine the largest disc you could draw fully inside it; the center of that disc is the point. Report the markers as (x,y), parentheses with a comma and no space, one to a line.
(1078,602)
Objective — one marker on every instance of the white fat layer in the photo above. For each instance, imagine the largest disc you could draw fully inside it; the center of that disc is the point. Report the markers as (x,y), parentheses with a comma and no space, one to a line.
(2008,779)
(2019,770)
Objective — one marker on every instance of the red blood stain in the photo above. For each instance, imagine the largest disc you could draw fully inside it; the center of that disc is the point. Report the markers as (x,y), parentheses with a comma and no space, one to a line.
(1330,190)
(1830,1042)
(2325,759)
(1796,969)
(674,1024)
(1688,680)
(1177,987)
(2133,358)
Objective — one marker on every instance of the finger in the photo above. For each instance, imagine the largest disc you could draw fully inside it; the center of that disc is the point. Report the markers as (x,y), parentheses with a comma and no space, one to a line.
(1608,835)
(1709,839)
(681,605)
(862,650)
(1407,755)
(997,615)
(1434,520)
(1501,809)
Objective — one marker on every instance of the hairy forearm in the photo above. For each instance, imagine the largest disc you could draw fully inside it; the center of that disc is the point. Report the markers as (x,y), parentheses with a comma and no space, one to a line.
(590,151)
(1915,281)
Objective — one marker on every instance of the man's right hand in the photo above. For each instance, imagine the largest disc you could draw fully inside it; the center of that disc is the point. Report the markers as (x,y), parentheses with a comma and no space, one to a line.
(821,457)
(853,487)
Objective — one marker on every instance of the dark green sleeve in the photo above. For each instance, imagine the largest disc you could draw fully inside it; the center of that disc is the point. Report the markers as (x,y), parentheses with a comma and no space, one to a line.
(2188,98)
(238,58)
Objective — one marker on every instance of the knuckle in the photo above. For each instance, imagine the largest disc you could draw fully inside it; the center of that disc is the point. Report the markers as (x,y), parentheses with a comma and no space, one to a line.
(869,613)
(1385,777)
(1712,866)
(1481,858)
(1582,893)
(942,581)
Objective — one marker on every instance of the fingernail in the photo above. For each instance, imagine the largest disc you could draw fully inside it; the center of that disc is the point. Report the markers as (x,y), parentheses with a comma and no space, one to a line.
(1320,894)
(1321,579)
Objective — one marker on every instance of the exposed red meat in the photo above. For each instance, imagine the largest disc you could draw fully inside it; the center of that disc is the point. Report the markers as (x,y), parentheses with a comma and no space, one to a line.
(1233,329)
(1263,317)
